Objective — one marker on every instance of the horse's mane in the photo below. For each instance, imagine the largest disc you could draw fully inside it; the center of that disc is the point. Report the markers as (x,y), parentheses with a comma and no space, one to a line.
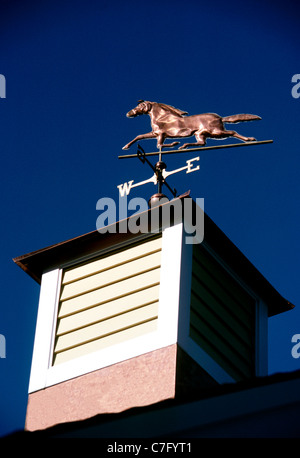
(173,110)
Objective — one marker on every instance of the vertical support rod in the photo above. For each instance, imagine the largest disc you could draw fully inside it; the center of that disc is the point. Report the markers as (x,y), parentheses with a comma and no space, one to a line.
(159,174)
(159,185)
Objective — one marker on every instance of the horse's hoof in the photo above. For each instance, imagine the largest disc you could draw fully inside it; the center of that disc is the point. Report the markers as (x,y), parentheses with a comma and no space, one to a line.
(125,147)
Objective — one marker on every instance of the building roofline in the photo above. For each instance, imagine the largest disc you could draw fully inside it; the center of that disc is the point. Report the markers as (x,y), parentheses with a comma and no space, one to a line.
(36,262)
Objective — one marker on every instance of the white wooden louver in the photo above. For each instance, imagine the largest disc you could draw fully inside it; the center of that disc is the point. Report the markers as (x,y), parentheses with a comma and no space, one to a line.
(108,300)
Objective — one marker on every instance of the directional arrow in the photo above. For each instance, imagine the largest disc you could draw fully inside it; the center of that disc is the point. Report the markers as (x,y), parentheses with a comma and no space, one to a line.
(188,167)
(160,175)
(125,188)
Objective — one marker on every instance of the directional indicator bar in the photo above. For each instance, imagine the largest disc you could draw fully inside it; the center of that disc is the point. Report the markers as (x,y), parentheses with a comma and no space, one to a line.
(189,168)
(125,188)
(202,148)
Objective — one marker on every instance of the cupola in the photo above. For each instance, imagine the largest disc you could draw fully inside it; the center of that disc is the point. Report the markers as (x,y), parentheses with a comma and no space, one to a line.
(128,319)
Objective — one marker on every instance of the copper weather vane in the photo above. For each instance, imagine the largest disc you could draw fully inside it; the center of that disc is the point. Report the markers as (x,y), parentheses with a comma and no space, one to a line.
(170,122)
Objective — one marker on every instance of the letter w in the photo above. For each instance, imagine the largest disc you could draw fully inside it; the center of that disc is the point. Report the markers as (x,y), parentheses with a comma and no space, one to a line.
(125,188)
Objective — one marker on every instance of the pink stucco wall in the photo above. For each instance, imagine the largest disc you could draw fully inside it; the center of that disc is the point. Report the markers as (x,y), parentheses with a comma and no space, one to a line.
(139,381)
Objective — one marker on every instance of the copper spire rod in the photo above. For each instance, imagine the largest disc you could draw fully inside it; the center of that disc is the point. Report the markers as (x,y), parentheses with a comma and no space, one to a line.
(203,148)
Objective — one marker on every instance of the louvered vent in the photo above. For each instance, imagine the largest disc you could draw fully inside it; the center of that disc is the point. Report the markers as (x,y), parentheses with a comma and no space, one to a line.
(222,319)
(108,301)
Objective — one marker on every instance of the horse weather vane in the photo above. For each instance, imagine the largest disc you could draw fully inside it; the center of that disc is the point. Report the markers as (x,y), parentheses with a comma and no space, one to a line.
(170,122)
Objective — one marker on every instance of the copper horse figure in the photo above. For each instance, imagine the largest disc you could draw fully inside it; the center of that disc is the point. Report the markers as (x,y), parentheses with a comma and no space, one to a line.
(170,122)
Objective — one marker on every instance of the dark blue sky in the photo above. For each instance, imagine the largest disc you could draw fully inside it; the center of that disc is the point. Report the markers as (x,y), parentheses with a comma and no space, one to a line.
(73,69)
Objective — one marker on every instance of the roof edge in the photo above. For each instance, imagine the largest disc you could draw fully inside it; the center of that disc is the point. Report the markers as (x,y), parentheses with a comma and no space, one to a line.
(39,261)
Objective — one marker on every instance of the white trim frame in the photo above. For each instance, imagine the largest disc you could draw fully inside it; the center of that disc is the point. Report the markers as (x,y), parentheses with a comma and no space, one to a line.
(44,375)
(192,348)
(184,339)
(45,329)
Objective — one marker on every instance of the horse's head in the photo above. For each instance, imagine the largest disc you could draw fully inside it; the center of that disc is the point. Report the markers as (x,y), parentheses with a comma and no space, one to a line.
(142,108)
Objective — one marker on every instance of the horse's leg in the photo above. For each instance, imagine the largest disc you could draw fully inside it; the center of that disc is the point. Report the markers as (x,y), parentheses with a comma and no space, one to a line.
(168,145)
(160,140)
(219,133)
(233,133)
(140,137)
(201,140)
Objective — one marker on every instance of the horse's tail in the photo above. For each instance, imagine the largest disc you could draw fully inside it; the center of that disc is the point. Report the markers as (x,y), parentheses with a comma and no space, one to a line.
(240,118)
